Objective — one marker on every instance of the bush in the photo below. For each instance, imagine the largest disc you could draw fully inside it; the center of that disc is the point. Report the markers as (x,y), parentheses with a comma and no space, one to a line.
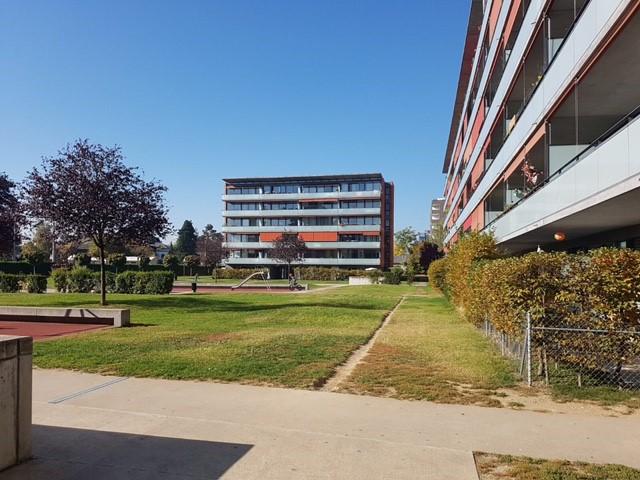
(374,276)
(327,273)
(82,260)
(117,261)
(410,274)
(60,279)
(470,247)
(144,282)
(9,283)
(393,276)
(234,273)
(35,283)
(80,280)
(126,282)
(17,268)
(437,274)
(110,280)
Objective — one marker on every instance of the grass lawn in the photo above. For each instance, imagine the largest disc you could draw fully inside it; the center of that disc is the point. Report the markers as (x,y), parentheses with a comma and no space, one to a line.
(428,352)
(506,467)
(286,340)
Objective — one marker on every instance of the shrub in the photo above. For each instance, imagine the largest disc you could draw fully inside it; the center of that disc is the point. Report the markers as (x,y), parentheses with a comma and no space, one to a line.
(9,283)
(422,254)
(143,262)
(470,247)
(24,267)
(126,281)
(437,275)
(374,276)
(327,273)
(110,281)
(234,273)
(117,261)
(393,276)
(35,283)
(80,280)
(60,279)
(144,282)
(410,274)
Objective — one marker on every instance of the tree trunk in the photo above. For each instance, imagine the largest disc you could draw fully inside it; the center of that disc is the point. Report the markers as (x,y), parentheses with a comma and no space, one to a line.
(103,279)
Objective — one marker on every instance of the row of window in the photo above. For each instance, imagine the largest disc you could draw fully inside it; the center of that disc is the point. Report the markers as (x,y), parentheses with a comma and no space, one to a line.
(248,238)
(342,253)
(280,189)
(232,206)
(304,221)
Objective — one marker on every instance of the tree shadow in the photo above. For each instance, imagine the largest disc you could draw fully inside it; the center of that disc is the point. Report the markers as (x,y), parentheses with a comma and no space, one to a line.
(78,454)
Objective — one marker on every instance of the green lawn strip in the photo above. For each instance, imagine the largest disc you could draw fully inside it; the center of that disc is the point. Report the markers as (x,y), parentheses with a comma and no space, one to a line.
(285,340)
(428,352)
(507,467)
(207,280)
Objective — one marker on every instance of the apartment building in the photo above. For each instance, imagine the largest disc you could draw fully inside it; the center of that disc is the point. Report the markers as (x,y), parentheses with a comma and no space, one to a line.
(544,145)
(345,220)
(437,212)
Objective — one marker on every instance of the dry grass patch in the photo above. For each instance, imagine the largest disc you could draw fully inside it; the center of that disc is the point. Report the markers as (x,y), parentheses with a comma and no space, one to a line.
(427,352)
(507,467)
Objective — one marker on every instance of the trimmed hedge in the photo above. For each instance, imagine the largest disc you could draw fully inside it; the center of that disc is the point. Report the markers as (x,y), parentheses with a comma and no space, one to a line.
(83,280)
(24,268)
(80,280)
(235,273)
(327,273)
(437,274)
(144,282)
(393,276)
(9,283)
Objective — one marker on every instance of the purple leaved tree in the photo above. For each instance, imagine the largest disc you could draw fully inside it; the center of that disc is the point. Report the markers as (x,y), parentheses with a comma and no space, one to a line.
(88,192)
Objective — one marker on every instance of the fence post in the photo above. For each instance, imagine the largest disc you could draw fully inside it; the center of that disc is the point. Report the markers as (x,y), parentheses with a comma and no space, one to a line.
(528,347)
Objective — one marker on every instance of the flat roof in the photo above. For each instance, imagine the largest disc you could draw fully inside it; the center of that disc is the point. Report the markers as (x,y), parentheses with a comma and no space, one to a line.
(306,179)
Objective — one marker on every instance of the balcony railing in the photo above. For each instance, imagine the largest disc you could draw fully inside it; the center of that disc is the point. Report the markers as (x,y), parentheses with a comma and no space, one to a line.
(619,125)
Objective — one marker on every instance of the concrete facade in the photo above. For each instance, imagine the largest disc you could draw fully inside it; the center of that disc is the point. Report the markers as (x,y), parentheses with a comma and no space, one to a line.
(118,317)
(15,399)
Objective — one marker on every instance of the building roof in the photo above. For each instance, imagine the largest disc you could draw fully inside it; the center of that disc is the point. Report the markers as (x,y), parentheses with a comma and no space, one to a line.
(473,32)
(305,179)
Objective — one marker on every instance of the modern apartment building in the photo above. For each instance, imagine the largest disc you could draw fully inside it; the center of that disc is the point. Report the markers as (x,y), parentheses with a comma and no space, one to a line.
(544,146)
(345,220)
(437,212)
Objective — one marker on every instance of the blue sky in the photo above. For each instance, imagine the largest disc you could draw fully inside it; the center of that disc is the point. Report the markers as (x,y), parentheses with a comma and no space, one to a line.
(198,91)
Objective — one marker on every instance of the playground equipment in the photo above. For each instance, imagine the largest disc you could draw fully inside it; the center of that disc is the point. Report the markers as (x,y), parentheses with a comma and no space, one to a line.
(265,278)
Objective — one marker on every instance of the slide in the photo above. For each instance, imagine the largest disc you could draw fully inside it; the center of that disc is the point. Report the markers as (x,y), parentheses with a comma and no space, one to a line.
(254,274)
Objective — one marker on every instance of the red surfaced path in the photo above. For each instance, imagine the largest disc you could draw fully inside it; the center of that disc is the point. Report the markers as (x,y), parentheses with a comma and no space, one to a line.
(44,330)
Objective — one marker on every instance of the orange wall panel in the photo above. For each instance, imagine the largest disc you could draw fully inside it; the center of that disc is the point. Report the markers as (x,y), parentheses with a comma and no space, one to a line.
(269,236)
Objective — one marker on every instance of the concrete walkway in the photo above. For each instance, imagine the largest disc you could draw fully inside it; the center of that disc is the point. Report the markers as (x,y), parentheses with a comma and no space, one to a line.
(96,427)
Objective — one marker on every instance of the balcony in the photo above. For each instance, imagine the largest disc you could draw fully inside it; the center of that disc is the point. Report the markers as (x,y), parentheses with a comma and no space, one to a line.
(310,245)
(300,228)
(326,262)
(302,212)
(271,197)
(596,191)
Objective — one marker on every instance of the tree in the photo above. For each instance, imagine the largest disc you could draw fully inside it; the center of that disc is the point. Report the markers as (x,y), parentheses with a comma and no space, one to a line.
(88,192)
(288,249)
(405,239)
(117,261)
(82,259)
(437,235)
(171,262)
(143,262)
(34,255)
(191,261)
(210,247)
(11,218)
(422,254)
(187,237)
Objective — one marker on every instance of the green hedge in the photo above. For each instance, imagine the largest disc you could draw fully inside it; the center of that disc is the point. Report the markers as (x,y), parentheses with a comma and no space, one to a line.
(24,268)
(35,283)
(327,273)
(144,282)
(83,280)
(9,283)
(236,273)
(393,276)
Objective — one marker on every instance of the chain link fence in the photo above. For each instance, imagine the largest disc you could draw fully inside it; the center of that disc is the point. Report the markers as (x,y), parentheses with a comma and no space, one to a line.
(551,352)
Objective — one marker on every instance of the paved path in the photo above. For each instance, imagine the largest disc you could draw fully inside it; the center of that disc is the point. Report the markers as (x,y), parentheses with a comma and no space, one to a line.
(95,427)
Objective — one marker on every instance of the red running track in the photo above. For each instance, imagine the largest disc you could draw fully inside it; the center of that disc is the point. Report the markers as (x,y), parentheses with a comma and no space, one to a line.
(204,289)
(45,330)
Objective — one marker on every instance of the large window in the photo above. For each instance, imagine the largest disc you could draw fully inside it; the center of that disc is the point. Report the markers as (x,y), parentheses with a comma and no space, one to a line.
(311,221)
(319,188)
(242,237)
(242,222)
(359,253)
(361,187)
(279,222)
(242,206)
(358,237)
(243,191)
(280,189)
(360,204)
(280,206)
(318,205)
(360,220)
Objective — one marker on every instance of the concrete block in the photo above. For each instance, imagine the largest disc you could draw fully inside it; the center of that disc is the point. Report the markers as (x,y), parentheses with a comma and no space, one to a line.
(15,399)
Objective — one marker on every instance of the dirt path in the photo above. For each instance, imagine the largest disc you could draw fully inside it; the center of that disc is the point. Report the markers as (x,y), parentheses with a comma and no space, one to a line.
(346,369)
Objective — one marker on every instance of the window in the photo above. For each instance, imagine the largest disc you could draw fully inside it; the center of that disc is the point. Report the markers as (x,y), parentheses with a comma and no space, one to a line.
(361,187)
(280,189)
(243,191)
(310,221)
(360,204)
(280,206)
(360,220)
(358,237)
(318,205)
(242,237)
(319,188)
(242,222)
(241,206)
(279,222)
(360,253)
